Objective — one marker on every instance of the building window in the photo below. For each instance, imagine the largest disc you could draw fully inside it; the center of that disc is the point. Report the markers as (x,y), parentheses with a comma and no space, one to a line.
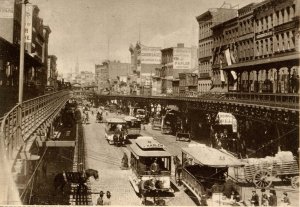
(271,45)
(283,41)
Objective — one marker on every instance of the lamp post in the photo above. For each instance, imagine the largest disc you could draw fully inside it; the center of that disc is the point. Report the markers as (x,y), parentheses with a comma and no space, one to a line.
(21,75)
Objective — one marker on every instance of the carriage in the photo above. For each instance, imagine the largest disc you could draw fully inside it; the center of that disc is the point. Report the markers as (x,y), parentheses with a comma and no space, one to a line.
(156,123)
(151,168)
(141,114)
(115,131)
(133,126)
(205,172)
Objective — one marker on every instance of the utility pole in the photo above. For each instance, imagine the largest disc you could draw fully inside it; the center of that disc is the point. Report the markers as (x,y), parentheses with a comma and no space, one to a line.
(22,47)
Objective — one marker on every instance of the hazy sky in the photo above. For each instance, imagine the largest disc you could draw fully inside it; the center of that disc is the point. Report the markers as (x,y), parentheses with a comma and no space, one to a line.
(83,28)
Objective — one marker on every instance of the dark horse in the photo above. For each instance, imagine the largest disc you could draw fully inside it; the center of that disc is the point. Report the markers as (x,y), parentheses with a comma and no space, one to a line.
(80,178)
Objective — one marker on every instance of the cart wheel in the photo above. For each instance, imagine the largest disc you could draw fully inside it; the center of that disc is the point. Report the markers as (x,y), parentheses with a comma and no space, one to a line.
(262,179)
(295,182)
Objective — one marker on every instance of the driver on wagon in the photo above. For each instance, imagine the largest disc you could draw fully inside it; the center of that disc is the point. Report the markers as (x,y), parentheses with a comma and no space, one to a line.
(154,166)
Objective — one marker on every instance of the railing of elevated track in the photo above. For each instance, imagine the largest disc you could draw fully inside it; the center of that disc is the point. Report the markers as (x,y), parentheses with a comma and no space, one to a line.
(34,113)
(288,100)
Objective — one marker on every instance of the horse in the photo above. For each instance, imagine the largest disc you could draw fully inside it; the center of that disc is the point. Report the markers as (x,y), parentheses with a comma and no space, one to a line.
(80,178)
(178,168)
(148,186)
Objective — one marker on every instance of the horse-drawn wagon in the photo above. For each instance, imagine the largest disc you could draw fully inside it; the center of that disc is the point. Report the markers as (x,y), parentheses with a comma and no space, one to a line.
(263,171)
(151,168)
(115,131)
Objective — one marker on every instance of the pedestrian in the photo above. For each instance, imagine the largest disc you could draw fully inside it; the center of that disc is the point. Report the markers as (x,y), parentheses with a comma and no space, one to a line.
(100,199)
(125,161)
(264,198)
(286,200)
(273,198)
(254,199)
(107,202)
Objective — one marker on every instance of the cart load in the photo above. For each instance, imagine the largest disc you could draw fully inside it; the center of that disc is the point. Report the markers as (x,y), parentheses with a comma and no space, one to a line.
(263,171)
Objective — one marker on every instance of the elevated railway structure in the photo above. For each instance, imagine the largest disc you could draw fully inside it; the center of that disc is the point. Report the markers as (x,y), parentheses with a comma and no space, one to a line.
(21,129)
(281,108)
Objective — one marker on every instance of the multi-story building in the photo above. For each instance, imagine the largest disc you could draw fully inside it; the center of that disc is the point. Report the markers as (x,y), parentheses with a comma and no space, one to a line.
(109,73)
(144,60)
(156,82)
(52,72)
(36,45)
(274,65)
(206,21)
(225,36)
(188,84)
(101,76)
(175,60)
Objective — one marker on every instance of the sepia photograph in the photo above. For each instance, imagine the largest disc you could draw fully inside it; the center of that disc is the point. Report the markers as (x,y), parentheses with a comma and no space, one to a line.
(149,102)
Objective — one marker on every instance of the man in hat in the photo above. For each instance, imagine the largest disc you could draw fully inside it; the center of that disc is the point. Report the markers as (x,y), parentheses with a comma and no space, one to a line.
(154,167)
(100,199)
(286,199)
(107,202)
(254,199)
(264,198)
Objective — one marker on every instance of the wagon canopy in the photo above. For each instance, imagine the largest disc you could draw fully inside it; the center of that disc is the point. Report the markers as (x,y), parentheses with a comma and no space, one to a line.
(208,156)
(130,118)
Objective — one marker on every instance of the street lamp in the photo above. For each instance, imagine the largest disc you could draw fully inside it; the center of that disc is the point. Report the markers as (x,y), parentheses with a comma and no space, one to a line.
(21,73)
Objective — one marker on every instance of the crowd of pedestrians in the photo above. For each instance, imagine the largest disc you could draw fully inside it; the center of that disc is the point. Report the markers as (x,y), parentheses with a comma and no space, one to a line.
(268,199)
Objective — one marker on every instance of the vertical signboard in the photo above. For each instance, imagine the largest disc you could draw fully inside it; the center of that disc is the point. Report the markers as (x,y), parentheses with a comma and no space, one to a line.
(182,58)
(48,71)
(28,24)
(7,9)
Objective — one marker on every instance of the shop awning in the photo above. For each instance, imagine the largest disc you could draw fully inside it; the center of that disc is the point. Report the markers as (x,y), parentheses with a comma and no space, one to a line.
(268,63)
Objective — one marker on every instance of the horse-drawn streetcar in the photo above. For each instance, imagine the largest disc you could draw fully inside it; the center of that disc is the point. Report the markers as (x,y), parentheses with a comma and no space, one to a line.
(151,168)
(115,131)
(133,126)
(205,173)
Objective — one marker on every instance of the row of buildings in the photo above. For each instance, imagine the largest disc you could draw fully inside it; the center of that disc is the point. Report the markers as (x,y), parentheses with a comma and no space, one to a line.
(251,49)
(40,70)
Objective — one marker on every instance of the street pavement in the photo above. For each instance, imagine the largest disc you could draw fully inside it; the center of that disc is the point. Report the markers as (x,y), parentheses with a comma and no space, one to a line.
(107,160)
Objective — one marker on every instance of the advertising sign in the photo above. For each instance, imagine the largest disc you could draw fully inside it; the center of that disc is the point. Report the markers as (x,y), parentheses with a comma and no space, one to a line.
(150,55)
(28,23)
(7,8)
(182,58)
(226,119)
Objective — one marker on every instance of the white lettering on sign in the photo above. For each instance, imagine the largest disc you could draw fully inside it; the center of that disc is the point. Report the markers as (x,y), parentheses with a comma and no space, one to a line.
(28,24)
(6,9)
(182,58)
(150,55)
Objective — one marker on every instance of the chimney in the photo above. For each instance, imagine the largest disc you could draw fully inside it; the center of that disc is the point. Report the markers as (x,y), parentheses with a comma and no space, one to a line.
(181,45)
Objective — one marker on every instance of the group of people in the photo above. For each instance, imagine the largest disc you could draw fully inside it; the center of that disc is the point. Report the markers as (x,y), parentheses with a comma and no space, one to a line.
(101,201)
(268,200)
